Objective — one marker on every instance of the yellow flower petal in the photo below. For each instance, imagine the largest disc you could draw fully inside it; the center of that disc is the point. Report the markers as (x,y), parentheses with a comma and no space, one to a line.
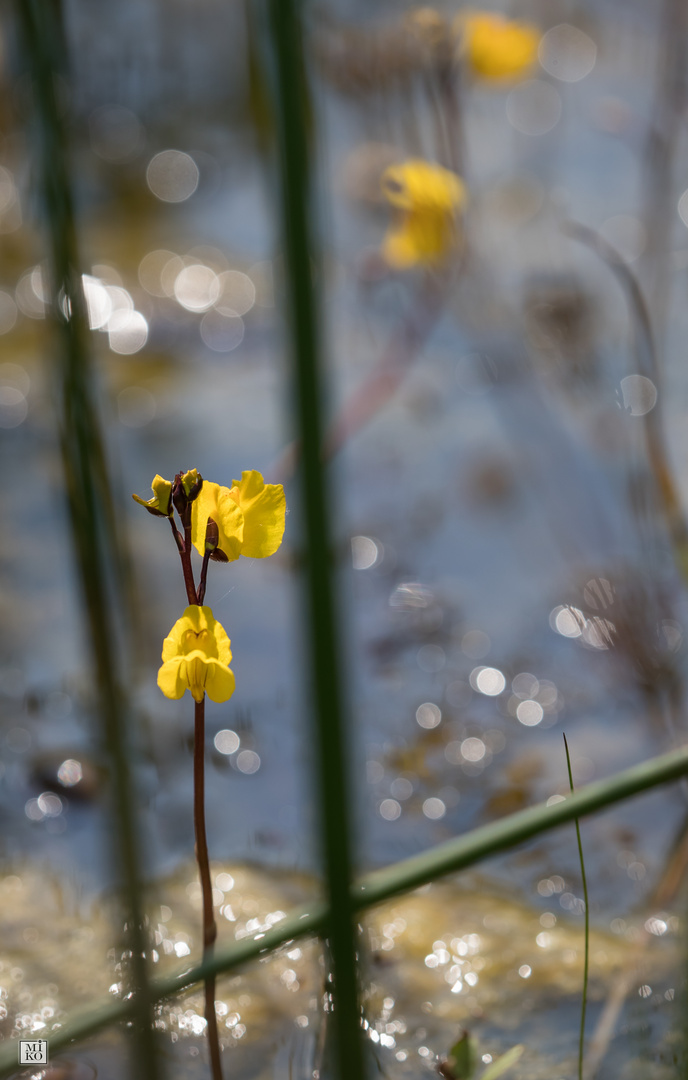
(249,516)
(196,654)
(161,503)
(216,502)
(170,678)
(264,508)
(219,683)
(195,672)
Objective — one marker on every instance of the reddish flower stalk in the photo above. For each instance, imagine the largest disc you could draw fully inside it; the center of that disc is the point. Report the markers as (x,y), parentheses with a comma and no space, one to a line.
(209,925)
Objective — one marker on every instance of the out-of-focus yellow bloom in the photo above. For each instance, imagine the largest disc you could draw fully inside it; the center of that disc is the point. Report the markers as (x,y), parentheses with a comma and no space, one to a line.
(495,47)
(161,503)
(428,199)
(249,517)
(196,656)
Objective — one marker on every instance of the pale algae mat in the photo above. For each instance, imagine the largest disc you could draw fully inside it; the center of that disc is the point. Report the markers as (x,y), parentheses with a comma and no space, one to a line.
(449,956)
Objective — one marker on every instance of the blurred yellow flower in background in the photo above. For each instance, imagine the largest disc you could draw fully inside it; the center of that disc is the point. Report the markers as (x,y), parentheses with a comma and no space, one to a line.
(428,198)
(495,47)
(161,503)
(196,656)
(249,516)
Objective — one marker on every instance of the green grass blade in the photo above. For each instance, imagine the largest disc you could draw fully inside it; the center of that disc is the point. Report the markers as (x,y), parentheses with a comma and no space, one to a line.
(502,1063)
(505,833)
(85,474)
(584,1005)
(382,885)
(291,115)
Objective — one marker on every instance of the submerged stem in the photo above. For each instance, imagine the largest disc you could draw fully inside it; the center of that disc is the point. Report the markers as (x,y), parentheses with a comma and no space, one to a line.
(584,1005)
(209,926)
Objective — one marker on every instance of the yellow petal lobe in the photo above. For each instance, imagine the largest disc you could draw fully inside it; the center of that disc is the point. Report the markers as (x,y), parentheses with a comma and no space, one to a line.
(171,680)
(264,508)
(161,503)
(219,684)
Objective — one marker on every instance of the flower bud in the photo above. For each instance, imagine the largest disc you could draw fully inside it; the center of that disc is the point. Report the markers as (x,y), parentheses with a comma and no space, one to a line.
(212,535)
(192,482)
(161,503)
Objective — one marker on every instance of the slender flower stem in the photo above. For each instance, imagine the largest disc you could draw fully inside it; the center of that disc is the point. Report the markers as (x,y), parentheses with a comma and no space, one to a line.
(177,535)
(182,502)
(204,575)
(209,925)
(584,1005)
(185,556)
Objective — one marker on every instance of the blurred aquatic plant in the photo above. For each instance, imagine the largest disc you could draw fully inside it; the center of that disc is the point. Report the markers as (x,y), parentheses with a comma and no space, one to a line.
(462,1061)
(490,47)
(666,489)
(221,523)
(102,564)
(428,200)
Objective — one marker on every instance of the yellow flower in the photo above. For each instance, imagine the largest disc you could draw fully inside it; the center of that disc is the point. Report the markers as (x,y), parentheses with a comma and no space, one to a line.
(161,503)
(249,517)
(196,657)
(495,47)
(428,199)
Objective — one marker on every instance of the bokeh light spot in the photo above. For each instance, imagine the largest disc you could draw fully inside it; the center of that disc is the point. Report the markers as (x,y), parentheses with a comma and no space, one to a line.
(196,287)
(488,680)
(70,772)
(390,809)
(529,713)
(127,331)
(248,761)
(365,552)
(428,715)
(567,53)
(222,332)
(639,394)
(172,176)
(237,293)
(434,809)
(227,742)
(473,749)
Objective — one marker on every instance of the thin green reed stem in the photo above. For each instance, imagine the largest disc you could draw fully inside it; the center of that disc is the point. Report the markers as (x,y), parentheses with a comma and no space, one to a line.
(334,793)
(85,476)
(584,1005)
(382,885)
